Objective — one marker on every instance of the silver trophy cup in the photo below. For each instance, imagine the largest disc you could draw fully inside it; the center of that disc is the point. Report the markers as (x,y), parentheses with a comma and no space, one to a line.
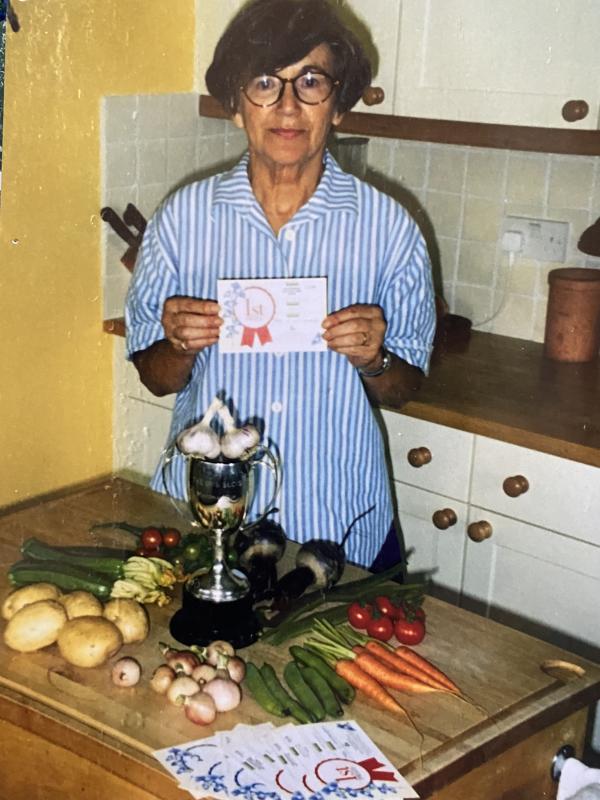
(219,496)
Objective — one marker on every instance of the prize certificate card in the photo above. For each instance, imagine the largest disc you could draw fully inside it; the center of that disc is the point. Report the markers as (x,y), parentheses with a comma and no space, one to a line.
(272,315)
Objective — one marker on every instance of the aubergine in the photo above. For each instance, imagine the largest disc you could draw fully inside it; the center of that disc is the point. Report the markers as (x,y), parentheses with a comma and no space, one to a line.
(320,563)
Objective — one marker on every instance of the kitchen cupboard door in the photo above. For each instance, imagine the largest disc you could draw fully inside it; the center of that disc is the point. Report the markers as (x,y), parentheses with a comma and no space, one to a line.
(428,455)
(511,62)
(558,494)
(535,580)
(379,22)
(436,551)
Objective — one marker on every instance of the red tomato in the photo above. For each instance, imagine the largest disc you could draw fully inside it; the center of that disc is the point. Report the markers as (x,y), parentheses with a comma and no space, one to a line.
(408,632)
(359,615)
(386,607)
(171,537)
(410,613)
(381,628)
(151,539)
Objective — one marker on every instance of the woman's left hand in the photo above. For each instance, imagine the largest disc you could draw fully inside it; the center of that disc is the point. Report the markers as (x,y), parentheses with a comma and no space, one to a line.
(357,332)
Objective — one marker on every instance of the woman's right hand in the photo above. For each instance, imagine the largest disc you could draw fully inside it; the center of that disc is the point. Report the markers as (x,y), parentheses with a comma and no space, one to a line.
(190,325)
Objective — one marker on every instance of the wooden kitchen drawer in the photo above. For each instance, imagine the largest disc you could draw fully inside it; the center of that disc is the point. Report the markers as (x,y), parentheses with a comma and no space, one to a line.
(562,495)
(435,552)
(537,580)
(450,449)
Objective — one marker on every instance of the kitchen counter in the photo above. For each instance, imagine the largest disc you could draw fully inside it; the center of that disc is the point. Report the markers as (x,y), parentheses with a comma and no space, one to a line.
(67,731)
(504,388)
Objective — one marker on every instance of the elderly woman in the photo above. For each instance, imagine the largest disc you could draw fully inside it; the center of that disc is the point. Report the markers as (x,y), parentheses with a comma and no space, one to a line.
(286,71)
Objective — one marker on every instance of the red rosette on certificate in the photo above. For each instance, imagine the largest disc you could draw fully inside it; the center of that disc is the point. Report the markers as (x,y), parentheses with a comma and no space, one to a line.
(254,311)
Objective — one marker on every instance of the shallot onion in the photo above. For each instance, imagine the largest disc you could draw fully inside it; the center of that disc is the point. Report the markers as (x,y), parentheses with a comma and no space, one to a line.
(200,708)
(126,672)
(182,687)
(236,667)
(204,673)
(219,647)
(225,692)
(183,662)
(162,678)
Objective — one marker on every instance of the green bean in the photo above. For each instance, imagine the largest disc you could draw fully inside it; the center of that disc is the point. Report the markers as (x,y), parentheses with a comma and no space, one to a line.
(303,692)
(255,682)
(341,687)
(286,701)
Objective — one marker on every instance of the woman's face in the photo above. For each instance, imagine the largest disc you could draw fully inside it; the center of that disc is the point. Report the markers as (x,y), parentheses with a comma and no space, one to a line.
(290,133)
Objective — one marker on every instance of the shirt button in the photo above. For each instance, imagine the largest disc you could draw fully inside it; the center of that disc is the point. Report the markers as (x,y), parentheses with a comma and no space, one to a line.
(290,234)
(276,407)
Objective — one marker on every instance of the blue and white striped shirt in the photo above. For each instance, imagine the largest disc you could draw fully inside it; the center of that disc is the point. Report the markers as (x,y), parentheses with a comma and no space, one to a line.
(313,406)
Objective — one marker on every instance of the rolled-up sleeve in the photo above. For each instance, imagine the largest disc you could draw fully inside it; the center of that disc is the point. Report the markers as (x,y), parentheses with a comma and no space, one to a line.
(407,295)
(154,279)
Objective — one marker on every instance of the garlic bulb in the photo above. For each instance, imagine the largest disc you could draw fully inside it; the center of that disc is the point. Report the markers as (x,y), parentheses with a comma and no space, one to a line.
(201,439)
(236,442)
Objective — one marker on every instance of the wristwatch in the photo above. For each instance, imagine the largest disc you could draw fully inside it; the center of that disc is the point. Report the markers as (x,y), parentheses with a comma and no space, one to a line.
(386,363)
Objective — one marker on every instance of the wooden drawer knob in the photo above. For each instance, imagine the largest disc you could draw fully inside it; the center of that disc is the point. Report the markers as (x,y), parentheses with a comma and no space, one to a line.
(479,531)
(515,485)
(419,456)
(373,96)
(574,110)
(444,518)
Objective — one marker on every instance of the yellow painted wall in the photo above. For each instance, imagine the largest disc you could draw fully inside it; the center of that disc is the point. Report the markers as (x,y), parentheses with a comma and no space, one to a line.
(55,361)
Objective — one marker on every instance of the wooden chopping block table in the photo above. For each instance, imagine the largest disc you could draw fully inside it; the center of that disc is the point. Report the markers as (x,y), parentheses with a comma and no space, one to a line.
(67,732)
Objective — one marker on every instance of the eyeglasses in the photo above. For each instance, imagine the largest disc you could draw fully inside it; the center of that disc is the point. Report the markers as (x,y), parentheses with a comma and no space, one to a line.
(311,87)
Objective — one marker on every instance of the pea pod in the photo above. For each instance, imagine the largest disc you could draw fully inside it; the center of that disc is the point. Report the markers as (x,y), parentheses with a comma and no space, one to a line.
(303,692)
(292,706)
(341,687)
(261,692)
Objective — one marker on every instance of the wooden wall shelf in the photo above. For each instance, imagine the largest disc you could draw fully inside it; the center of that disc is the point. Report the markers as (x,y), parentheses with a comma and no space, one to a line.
(473,134)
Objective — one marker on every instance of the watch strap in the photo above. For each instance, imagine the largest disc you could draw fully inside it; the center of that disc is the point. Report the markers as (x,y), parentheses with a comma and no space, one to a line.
(386,363)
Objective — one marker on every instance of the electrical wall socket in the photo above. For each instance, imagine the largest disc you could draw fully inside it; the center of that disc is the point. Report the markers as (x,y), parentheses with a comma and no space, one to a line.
(543,239)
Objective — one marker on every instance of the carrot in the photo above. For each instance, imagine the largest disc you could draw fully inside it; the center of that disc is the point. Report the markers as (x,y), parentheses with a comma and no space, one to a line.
(389,676)
(358,678)
(427,667)
(350,671)
(392,660)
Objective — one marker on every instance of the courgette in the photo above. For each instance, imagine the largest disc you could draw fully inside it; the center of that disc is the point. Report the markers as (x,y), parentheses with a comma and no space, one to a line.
(323,691)
(34,549)
(66,576)
(306,658)
(341,688)
(259,690)
(288,702)
(300,688)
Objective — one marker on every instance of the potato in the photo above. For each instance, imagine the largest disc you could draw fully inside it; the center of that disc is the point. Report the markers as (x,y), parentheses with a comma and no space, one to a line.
(130,617)
(89,641)
(29,594)
(81,604)
(34,626)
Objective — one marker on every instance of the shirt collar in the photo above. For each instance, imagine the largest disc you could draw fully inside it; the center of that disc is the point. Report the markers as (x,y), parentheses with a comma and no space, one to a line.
(336,190)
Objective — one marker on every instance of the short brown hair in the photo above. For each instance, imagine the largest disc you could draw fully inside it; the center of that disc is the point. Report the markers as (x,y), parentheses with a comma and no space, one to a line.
(268,35)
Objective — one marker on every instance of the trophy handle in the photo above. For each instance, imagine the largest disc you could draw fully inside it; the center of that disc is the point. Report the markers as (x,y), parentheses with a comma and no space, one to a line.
(270,462)
(168,455)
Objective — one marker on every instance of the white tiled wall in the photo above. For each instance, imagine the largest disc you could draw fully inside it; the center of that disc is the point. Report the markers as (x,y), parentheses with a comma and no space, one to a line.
(151,145)
(459,196)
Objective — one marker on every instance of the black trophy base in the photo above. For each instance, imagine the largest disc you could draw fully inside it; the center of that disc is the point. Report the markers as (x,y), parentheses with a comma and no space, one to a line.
(201,622)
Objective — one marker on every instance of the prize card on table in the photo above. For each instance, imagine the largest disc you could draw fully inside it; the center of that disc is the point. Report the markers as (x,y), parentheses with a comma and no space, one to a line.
(274,315)
(321,761)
